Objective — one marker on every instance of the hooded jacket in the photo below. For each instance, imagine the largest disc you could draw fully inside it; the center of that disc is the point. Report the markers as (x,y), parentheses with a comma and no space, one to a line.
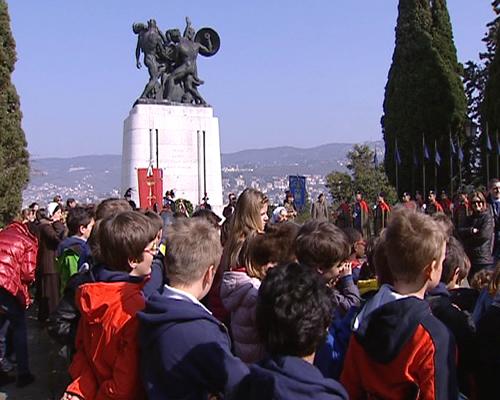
(18,250)
(185,351)
(239,296)
(462,326)
(399,350)
(288,378)
(106,363)
(68,255)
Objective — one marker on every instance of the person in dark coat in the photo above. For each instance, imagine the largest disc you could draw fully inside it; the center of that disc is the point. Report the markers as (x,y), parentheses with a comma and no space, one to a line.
(494,209)
(459,322)
(51,233)
(185,350)
(293,313)
(488,339)
(477,235)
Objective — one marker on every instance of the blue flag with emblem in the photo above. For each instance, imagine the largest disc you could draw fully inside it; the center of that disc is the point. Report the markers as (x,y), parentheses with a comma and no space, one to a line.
(297,185)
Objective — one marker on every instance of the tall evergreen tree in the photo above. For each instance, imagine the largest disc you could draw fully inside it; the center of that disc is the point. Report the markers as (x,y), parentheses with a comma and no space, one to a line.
(14,157)
(423,95)
(490,107)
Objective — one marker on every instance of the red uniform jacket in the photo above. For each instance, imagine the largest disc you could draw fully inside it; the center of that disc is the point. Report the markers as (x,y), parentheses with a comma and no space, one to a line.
(399,350)
(106,364)
(18,248)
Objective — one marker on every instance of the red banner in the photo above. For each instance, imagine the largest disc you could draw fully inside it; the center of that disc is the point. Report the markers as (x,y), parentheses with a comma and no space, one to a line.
(150,188)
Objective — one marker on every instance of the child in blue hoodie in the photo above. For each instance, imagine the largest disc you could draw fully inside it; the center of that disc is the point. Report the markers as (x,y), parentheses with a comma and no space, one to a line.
(293,313)
(185,350)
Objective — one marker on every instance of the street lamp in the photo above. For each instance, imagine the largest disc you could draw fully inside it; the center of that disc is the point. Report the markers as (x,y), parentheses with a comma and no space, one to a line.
(470,128)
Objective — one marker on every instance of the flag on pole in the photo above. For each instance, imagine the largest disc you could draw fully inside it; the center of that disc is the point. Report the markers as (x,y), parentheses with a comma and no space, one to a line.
(498,143)
(437,157)
(460,154)
(452,147)
(415,160)
(488,142)
(398,157)
(426,152)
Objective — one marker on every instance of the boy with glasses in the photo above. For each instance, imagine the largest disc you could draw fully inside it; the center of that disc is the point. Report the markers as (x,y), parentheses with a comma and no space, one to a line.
(106,364)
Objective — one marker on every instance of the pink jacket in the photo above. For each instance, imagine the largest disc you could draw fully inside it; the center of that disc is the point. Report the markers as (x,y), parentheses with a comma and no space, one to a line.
(239,295)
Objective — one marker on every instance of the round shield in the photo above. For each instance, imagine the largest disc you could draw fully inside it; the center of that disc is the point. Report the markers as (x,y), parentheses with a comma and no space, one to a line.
(209,39)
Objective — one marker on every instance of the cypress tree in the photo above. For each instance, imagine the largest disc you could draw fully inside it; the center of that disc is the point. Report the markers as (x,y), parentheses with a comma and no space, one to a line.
(490,107)
(14,157)
(424,94)
(405,94)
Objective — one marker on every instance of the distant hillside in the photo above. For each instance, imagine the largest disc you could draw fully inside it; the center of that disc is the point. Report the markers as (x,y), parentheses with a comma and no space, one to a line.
(94,177)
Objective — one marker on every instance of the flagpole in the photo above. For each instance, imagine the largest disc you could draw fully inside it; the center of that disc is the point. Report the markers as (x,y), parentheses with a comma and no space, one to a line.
(459,165)
(396,161)
(496,142)
(423,165)
(435,167)
(487,156)
(451,168)
(413,168)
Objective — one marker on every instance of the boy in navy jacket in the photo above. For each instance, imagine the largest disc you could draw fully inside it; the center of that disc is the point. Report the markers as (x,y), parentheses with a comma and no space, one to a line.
(293,312)
(324,248)
(399,350)
(186,352)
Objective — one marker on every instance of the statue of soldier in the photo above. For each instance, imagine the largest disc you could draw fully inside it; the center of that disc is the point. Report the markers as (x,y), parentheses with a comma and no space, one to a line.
(149,41)
(186,71)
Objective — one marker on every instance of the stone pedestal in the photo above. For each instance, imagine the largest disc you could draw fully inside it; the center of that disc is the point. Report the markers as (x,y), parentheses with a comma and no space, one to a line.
(181,140)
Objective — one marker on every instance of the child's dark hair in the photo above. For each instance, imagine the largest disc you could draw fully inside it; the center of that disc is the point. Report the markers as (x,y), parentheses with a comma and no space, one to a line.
(455,258)
(208,215)
(111,206)
(293,311)
(321,245)
(77,217)
(155,219)
(368,270)
(274,246)
(124,237)
(353,236)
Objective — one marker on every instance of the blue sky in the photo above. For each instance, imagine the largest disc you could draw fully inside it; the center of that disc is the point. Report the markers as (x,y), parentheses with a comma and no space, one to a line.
(300,73)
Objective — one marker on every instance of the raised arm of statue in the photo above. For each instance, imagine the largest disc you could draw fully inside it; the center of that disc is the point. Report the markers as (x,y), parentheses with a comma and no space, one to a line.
(188,25)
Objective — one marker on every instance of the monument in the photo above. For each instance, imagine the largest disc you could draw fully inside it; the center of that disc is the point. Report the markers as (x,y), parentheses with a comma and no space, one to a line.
(171,136)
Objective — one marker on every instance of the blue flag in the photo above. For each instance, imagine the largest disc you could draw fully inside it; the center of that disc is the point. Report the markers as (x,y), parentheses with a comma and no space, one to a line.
(460,154)
(297,185)
(437,157)
(426,152)
(488,143)
(398,157)
(452,147)
(415,160)
(498,145)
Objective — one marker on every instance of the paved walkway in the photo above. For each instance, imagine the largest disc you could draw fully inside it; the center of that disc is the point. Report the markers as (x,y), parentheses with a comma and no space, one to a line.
(48,367)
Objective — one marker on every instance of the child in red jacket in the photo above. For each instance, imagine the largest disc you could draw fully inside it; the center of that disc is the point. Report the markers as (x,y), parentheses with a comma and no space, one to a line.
(106,364)
(398,349)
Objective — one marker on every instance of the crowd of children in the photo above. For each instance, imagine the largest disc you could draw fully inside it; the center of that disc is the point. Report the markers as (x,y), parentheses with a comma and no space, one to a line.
(267,310)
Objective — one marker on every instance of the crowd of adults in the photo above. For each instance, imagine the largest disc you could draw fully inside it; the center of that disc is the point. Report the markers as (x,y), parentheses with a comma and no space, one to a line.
(363,301)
